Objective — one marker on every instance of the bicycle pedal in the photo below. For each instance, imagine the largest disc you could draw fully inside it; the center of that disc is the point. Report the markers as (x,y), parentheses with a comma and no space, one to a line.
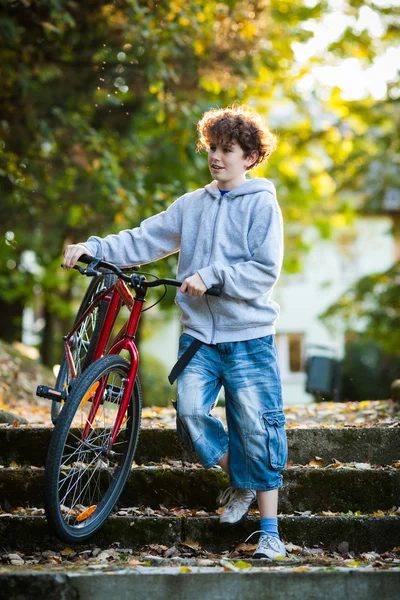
(43,391)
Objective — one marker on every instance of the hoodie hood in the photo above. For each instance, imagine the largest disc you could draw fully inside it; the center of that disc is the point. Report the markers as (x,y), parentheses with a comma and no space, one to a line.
(252,186)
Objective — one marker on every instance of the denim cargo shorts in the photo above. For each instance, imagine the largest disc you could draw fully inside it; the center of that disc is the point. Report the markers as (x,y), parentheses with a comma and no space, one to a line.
(256,436)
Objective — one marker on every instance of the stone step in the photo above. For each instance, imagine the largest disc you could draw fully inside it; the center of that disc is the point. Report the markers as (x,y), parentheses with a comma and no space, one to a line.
(377,445)
(315,489)
(362,534)
(205,583)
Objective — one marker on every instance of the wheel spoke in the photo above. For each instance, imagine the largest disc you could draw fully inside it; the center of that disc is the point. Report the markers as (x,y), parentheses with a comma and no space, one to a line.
(88,473)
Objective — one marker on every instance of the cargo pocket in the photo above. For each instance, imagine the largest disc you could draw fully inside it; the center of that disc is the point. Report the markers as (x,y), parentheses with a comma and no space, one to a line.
(274,424)
(181,430)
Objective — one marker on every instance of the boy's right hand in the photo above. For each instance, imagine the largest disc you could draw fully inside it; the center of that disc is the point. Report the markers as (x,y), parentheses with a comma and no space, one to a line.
(72,253)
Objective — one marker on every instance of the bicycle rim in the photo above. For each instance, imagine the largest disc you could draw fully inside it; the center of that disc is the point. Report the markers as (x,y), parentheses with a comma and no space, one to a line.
(83,343)
(83,480)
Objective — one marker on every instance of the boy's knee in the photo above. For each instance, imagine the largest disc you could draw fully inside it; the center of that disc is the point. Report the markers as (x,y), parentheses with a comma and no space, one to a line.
(183,425)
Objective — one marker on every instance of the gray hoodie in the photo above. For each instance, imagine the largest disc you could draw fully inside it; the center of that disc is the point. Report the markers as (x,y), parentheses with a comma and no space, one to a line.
(234,242)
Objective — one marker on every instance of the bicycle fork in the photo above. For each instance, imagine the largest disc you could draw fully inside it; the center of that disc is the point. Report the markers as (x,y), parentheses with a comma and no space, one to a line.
(126,343)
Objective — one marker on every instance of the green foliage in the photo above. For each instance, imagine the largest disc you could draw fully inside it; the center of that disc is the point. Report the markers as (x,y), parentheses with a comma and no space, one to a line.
(156,388)
(98,109)
(368,370)
(372,307)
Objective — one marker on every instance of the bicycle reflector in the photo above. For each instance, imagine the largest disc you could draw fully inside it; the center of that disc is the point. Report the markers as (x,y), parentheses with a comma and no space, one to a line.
(86,513)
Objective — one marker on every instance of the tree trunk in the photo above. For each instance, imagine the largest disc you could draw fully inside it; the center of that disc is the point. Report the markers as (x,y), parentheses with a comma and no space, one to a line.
(48,337)
(11,320)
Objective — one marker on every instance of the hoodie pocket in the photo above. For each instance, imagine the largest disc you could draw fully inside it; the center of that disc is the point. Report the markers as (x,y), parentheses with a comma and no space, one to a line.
(195,312)
(274,424)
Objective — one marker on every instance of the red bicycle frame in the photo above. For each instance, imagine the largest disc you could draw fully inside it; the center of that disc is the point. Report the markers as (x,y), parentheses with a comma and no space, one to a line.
(124,340)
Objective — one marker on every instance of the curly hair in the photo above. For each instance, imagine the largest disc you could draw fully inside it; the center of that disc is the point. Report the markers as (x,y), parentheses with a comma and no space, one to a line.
(239,123)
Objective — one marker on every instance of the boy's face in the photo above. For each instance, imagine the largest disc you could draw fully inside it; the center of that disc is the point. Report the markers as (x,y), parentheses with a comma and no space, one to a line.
(228,163)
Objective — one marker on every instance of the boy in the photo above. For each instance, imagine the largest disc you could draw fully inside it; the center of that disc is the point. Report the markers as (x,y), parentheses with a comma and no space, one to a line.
(229,234)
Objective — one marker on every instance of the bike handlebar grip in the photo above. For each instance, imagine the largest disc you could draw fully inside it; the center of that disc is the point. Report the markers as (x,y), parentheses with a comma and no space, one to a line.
(214,291)
(87,259)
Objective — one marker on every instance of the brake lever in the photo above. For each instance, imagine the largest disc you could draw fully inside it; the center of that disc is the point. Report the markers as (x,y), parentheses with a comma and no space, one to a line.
(90,270)
(81,271)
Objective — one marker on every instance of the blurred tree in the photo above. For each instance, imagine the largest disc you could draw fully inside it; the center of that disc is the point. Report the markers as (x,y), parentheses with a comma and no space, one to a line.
(368,370)
(366,169)
(350,150)
(98,110)
(372,308)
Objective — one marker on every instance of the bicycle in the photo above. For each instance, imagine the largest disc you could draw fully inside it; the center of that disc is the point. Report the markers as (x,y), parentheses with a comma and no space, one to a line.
(81,341)
(96,432)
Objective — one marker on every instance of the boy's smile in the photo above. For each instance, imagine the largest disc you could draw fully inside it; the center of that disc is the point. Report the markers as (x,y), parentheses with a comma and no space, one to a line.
(228,164)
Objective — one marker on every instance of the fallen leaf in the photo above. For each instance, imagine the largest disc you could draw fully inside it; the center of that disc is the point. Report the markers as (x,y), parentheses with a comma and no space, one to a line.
(191,544)
(156,548)
(335,464)
(173,551)
(243,547)
(343,547)
(67,552)
(228,566)
(241,564)
(293,549)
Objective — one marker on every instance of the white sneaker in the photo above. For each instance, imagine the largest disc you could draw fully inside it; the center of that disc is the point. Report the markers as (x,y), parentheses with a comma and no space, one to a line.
(237,502)
(269,546)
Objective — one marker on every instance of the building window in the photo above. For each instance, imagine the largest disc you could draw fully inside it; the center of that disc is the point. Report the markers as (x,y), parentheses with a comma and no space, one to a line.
(291,353)
(295,352)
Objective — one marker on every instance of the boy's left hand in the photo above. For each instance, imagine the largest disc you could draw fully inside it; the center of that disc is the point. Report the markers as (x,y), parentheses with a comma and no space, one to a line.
(193,286)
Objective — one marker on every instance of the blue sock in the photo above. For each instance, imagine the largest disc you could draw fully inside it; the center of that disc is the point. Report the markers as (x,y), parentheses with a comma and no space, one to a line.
(270,525)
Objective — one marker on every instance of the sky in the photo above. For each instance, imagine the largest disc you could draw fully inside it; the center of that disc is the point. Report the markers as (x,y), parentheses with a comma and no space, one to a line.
(354,80)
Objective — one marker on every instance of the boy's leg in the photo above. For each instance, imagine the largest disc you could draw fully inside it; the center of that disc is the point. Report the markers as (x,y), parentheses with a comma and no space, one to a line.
(257,440)
(268,507)
(224,463)
(267,503)
(254,412)
(198,387)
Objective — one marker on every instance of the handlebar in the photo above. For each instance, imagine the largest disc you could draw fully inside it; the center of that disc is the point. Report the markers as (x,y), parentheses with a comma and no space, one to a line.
(94,263)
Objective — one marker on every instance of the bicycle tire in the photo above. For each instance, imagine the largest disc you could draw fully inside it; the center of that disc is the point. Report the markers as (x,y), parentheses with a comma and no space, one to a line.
(75,471)
(63,380)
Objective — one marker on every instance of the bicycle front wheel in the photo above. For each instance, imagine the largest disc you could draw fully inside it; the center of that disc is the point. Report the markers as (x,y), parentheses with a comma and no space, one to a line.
(84,478)
(84,342)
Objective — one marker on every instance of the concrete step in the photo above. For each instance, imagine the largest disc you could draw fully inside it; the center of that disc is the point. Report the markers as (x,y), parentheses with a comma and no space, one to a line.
(315,489)
(377,445)
(205,583)
(362,534)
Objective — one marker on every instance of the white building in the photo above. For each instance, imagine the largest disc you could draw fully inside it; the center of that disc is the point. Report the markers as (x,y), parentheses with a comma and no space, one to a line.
(330,268)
